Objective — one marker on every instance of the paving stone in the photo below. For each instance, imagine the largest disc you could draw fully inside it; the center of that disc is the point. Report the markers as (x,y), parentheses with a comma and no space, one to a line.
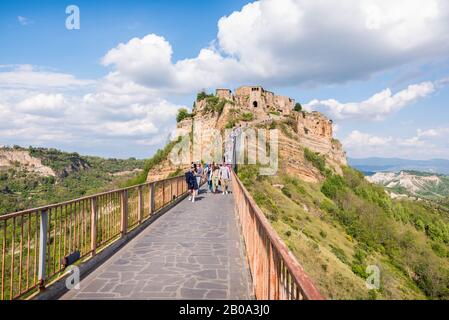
(193,251)
(217,294)
(188,293)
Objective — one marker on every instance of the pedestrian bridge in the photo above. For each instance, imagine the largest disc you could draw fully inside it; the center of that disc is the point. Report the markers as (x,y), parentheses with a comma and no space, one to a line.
(149,242)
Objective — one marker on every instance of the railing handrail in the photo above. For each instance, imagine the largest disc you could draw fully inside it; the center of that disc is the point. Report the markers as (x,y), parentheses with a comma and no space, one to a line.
(305,284)
(51,206)
(37,243)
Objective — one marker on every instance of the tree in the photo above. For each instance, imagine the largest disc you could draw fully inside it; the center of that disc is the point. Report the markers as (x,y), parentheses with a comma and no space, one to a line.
(183,113)
(298,107)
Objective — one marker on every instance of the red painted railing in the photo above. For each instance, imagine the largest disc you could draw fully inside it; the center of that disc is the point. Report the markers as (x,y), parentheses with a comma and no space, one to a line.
(275,272)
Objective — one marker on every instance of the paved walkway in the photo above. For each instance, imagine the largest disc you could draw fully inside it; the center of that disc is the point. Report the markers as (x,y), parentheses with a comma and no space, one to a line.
(194,251)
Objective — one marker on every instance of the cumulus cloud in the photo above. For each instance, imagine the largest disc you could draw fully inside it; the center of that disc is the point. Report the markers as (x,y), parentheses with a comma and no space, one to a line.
(376,107)
(109,115)
(357,139)
(30,77)
(430,143)
(52,105)
(148,62)
(289,42)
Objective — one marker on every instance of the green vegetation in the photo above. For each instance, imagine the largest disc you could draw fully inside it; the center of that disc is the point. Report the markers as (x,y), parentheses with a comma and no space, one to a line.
(214,104)
(76,176)
(346,224)
(183,113)
(203,95)
(159,156)
(298,107)
(316,159)
(247,116)
(230,124)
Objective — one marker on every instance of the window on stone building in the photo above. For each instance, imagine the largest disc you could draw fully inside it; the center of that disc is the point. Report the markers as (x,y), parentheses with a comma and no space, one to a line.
(255,104)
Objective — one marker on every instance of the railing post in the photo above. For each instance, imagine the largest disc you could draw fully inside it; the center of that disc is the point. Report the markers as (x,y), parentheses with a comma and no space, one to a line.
(163,192)
(124,212)
(273,290)
(43,248)
(93,225)
(140,204)
(152,203)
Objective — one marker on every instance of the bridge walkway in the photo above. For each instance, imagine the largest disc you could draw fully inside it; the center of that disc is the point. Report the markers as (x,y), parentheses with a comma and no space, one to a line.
(193,251)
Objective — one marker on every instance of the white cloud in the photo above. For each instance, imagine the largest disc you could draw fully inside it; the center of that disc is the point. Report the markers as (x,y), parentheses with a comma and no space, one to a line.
(148,62)
(43,104)
(30,77)
(358,139)
(430,143)
(288,42)
(116,116)
(377,107)
(24,21)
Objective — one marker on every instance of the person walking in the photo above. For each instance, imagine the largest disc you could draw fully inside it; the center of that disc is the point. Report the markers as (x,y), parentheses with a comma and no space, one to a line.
(215,179)
(199,175)
(225,176)
(191,183)
(209,176)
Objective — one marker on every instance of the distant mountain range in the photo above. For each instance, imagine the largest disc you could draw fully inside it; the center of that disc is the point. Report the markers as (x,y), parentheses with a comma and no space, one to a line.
(370,166)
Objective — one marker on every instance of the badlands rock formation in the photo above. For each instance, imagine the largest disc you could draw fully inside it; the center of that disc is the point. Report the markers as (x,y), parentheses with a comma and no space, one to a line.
(9,158)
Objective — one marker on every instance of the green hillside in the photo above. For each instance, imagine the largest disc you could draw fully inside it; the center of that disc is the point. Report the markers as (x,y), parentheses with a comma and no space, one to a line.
(338,227)
(76,176)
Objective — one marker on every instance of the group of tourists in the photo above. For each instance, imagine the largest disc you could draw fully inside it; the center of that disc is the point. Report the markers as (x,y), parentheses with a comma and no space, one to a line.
(217,176)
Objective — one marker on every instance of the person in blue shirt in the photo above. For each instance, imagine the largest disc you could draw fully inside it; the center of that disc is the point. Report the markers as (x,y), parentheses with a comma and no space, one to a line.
(192,185)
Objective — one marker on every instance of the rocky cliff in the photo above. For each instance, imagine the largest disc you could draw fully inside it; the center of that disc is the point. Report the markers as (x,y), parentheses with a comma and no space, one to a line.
(23,159)
(257,108)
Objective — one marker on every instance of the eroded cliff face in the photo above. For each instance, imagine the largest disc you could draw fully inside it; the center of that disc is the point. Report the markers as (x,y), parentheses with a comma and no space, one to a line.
(315,132)
(23,159)
(250,109)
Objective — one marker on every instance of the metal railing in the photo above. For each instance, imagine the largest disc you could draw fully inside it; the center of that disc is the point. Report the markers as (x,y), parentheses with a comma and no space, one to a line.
(34,242)
(275,272)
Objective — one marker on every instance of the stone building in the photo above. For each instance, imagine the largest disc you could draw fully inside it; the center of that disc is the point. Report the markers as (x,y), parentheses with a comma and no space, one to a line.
(256,99)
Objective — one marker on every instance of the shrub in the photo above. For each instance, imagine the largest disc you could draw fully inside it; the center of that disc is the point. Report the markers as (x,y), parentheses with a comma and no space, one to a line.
(203,95)
(214,104)
(359,270)
(328,206)
(316,159)
(183,113)
(230,124)
(439,249)
(340,254)
(332,185)
(287,192)
(247,116)
(298,107)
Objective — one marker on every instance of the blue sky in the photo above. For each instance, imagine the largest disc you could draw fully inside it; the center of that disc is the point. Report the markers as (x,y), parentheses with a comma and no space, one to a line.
(112,88)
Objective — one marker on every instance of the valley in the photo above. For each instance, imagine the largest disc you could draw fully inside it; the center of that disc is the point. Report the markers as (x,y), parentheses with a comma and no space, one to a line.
(32,177)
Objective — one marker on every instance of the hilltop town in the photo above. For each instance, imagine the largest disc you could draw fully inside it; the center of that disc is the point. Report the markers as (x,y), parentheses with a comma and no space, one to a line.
(256,107)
